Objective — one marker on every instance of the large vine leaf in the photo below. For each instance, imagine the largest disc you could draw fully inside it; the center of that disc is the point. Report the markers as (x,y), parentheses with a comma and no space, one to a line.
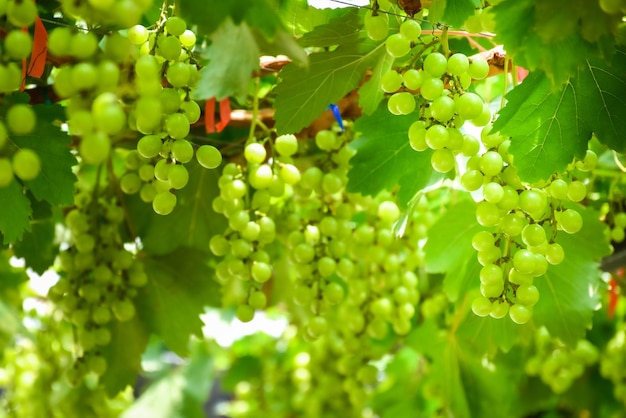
(556,36)
(191,222)
(454,12)
(123,355)
(546,127)
(37,247)
(385,159)
(338,31)
(568,290)
(549,128)
(370,93)
(55,182)
(180,286)
(304,93)
(14,216)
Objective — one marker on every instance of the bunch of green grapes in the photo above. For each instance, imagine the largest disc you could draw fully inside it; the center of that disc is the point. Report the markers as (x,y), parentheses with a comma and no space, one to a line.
(99,278)
(163,112)
(525,220)
(248,193)
(17,45)
(613,364)
(558,365)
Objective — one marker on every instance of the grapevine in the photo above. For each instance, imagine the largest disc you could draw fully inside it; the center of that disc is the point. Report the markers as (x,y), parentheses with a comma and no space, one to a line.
(278,208)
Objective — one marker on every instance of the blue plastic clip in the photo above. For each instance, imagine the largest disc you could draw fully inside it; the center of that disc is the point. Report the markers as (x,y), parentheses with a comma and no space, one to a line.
(335,109)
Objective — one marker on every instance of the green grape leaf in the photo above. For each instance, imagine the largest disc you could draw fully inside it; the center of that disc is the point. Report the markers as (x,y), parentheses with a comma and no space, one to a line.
(179,288)
(489,335)
(457,11)
(602,109)
(447,363)
(179,394)
(55,182)
(14,217)
(227,74)
(338,31)
(569,291)
(304,93)
(192,220)
(384,158)
(299,17)
(546,127)
(38,247)
(370,93)
(123,355)
(555,37)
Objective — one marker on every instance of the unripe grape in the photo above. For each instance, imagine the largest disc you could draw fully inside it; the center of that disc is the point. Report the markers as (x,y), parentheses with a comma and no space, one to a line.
(164,203)
(26,164)
(21,119)
(286,145)
(208,156)
(397,45)
(245,313)
(570,221)
(431,88)
(499,309)
(6,172)
(377,26)
(435,64)
(175,25)
(458,64)
(391,81)
(481,306)
(520,314)
(478,68)
(411,30)
(95,147)
(188,38)
(18,44)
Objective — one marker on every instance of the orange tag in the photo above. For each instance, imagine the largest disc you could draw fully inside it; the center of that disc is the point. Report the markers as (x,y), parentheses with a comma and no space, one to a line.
(224,115)
(209,116)
(40,50)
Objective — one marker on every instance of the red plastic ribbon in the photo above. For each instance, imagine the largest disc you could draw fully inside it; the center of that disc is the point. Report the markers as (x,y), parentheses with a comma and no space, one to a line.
(209,115)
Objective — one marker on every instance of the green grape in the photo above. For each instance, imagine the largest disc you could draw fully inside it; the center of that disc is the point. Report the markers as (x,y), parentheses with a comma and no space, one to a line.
(558,189)
(257,300)
(458,64)
(149,146)
(469,105)
(95,147)
(303,253)
(391,81)
(188,38)
(437,137)
(123,309)
(26,164)
(612,6)
(261,177)
(532,201)
(388,211)
(481,306)
(512,224)
(478,68)
(83,45)
(533,235)
(137,34)
(417,136)
(111,120)
(260,272)
(412,79)
(484,118)
(569,221)
(6,172)
(519,278)
(471,145)
(618,234)
(17,44)
(326,140)
(491,163)
(442,108)
(435,64)
(169,47)
(178,74)
(524,261)
(59,41)
(619,219)
(483,240)
(576,191)
(147,66)
(170,100)
(401,103)
(255,153)
(520,314)
(411,30)
(527,294)
(191,110)
(286,145)
(487,214)
(289,173)
(472,180)
(499,309)
(493,192)
(182,150)
(208,156)
(175,25)
(397,45)
(431,88)
(442,160)
(491,274)
(177,126)
(101,315)
(376,26)
(510,198)
(245,313)
(178,176)
(21,13)
(21,119)
(164,203)
(317,326)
